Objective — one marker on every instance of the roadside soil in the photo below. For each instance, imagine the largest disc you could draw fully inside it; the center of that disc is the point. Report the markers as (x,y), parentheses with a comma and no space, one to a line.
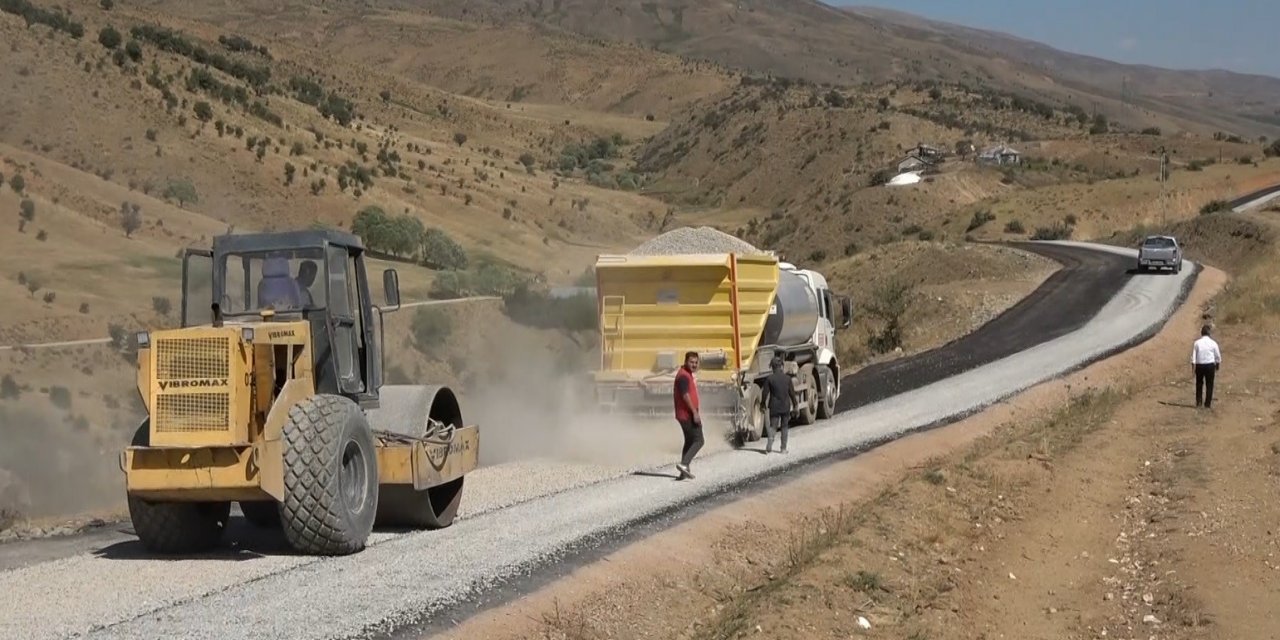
(1100,505)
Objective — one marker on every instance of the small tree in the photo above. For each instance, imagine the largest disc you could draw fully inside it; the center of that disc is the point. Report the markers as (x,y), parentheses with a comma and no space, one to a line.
(109,37)
(430,328)
(203,111)
(33,286)
(460,138)
(442,252)
(161,305)
(9,389)
(17,183)
(130,218)
(181,190)
(385,95)
(289,170)
(133,50)
(26,211)
(106,4)
(889,303)
(1100,125)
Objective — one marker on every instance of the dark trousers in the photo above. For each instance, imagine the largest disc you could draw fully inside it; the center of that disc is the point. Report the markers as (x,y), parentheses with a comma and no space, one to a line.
(777,421)
(692,440)
(1204,383)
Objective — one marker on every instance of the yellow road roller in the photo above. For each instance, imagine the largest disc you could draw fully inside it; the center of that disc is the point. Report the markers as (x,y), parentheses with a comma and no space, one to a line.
(270,394)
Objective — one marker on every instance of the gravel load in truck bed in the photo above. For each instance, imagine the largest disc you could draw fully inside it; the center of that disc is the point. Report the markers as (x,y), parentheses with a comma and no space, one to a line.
(687,240)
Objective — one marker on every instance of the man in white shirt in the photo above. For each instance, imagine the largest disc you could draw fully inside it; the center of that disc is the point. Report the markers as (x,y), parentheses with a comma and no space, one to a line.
(1205,360)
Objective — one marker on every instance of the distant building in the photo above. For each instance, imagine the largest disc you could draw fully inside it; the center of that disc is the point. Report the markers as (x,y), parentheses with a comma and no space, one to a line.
(1000,154)
(911,163)
(921,157)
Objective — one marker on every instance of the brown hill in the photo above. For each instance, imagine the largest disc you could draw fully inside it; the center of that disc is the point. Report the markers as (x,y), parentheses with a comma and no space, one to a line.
(810,40)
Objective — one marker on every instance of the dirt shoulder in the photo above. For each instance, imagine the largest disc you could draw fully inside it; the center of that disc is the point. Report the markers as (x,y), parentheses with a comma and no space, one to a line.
(1052,515)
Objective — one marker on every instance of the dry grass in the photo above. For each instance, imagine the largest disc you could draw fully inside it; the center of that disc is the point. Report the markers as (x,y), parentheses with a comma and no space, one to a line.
(822,549)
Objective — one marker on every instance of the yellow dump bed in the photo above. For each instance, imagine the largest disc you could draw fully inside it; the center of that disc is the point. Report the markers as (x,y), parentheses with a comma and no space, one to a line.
(655,308)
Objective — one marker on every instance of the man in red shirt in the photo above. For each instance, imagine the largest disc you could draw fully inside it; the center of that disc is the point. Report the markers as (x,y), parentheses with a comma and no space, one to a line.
(686,405)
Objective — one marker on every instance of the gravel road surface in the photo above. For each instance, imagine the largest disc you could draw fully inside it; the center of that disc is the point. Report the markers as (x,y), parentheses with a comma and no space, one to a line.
(524,518)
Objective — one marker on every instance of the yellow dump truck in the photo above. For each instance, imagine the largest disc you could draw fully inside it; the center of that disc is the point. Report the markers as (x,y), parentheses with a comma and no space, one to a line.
(737,312)
(270,394)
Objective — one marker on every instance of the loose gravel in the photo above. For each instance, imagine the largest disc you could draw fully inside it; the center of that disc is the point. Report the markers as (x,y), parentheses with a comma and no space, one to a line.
(404,579)
(687,240)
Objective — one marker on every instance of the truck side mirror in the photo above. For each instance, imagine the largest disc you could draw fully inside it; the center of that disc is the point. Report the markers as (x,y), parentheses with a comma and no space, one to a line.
(391,289)
(846,312)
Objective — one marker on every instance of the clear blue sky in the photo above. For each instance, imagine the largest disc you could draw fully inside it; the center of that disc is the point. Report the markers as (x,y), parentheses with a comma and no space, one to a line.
(1240,35)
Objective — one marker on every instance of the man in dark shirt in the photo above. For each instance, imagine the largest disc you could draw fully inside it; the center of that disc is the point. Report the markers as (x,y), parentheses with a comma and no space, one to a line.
(686,406)
(779,396)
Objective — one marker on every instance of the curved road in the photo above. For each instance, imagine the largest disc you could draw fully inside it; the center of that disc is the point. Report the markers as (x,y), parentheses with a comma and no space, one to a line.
(1064,302)
(104,586)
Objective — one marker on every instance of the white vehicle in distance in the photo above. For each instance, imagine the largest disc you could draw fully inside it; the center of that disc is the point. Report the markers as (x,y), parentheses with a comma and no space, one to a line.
(1159,252)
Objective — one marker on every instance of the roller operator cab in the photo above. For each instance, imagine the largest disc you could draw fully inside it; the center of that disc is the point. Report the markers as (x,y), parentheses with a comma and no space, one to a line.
(271,394)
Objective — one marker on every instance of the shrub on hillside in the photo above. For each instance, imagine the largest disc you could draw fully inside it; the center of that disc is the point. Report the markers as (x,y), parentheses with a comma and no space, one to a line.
(9,389)
(161,305)
(1214,206)
(130,218)
(109,37)
(17,183)
(538,309)
(430,328)
(27,210)
(1059,231)
(60,397)
(979,219)
(889,303)
(181,190)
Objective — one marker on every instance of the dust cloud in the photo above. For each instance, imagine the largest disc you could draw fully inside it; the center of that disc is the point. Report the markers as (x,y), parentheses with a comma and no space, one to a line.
(538,402)
(53,468)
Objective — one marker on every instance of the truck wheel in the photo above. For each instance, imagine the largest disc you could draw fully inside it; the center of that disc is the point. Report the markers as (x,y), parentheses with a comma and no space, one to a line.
(809,408)
(330,477)
(175,527)
(748,423)
(262,514)
(178,527)
(405,410)
(827,401)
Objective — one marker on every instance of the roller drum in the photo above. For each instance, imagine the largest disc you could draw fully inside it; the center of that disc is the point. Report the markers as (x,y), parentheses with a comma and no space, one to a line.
(794,316)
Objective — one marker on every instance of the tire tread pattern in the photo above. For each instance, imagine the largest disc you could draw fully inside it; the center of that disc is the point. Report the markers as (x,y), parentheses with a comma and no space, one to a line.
(312,513)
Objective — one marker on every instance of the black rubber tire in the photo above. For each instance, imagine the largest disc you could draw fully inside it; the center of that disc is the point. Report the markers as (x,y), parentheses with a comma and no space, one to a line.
(262,514)
(827,399)
(330,477)
(752,427)
(176,527)
(809,409)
